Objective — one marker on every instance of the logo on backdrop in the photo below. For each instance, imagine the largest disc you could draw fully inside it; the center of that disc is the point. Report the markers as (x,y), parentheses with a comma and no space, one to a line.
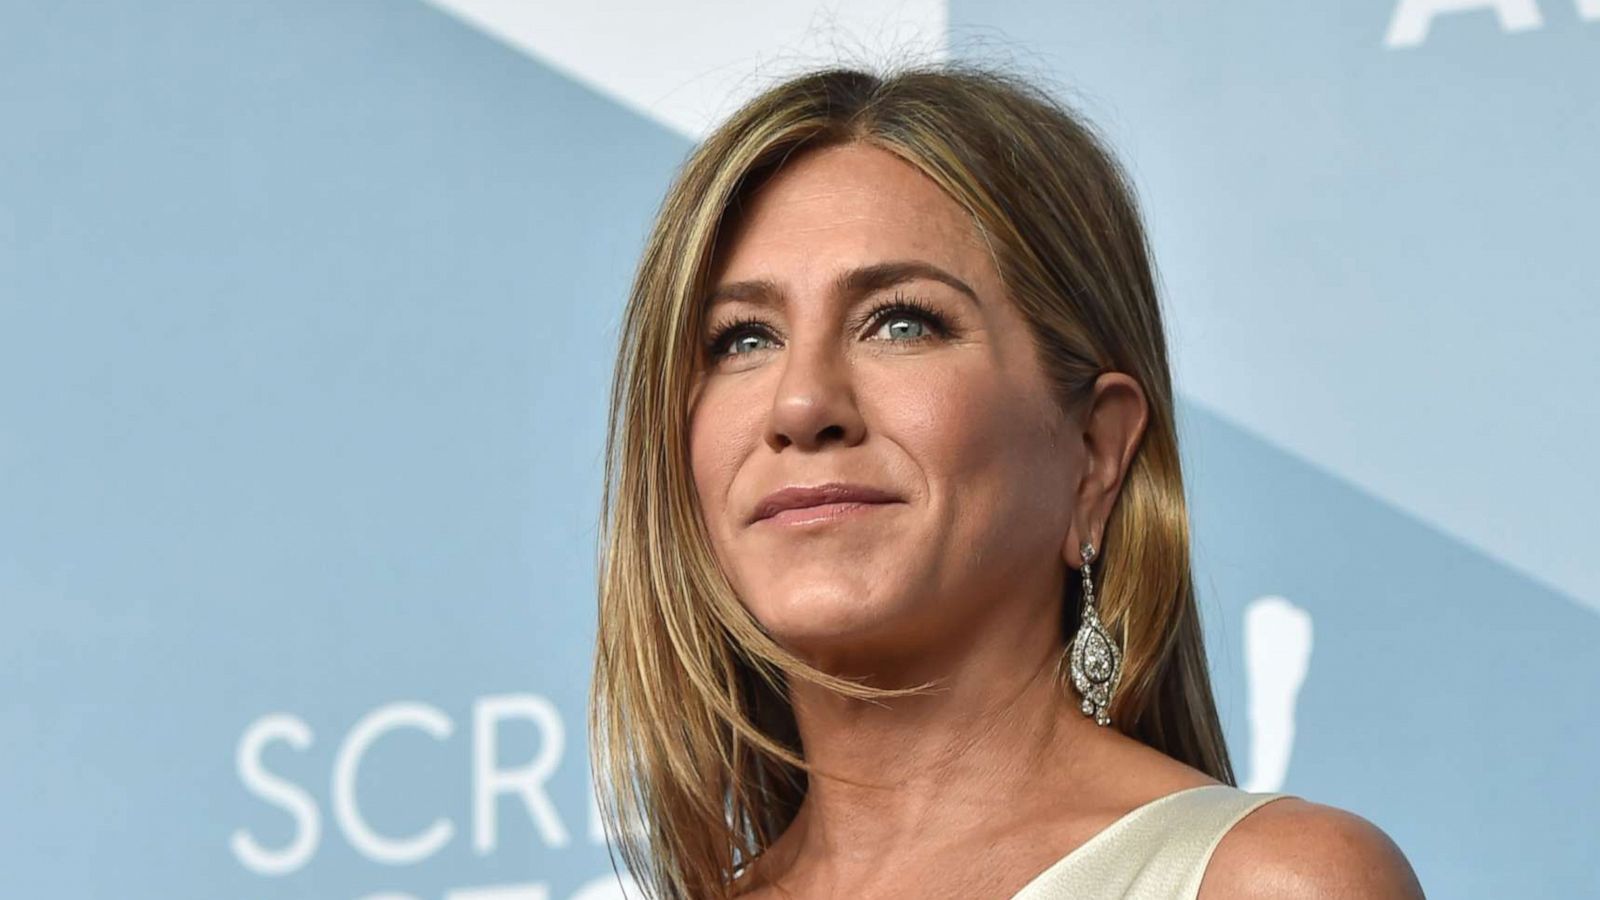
(1412,18)
(491,780)
(1277,645)
(1277,655)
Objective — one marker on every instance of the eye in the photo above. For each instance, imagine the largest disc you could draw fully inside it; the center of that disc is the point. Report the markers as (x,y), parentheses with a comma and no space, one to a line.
(894,315)
(749,334)
(744,333)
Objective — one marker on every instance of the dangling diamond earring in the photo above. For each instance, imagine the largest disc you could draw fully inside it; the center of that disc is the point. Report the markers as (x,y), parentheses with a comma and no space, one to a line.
(1096,659)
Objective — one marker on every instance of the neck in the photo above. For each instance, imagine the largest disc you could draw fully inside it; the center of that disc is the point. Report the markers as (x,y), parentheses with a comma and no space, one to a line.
(903,777)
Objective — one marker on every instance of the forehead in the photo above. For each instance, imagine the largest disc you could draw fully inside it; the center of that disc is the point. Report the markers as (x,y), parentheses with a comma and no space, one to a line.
(848,205)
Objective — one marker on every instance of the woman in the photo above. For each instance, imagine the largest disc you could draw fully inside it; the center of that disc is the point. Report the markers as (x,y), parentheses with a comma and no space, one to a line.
(895,597)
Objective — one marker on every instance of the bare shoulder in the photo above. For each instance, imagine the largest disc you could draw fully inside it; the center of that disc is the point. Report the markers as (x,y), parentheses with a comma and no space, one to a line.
(1292,848)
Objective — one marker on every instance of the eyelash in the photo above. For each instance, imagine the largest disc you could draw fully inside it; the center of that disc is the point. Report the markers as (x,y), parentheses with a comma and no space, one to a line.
(901,304)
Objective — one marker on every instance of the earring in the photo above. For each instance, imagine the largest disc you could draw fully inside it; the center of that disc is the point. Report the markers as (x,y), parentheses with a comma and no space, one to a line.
(1096,659)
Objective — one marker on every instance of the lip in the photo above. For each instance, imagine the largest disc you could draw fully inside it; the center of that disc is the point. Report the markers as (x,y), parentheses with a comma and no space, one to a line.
(827,501)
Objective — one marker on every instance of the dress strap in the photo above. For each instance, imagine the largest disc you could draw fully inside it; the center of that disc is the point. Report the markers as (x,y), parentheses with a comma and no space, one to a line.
(1158,851)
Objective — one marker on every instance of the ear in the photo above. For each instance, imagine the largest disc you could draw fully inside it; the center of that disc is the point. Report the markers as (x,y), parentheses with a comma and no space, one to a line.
(1112,420)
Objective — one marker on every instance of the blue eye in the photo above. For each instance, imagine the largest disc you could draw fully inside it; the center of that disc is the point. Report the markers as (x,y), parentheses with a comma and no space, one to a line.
(896,324)
(745,341)
(734,334)
(925,322)
(744,335)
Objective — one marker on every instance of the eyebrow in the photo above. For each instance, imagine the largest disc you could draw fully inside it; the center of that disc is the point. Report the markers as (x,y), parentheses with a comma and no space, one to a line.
(850,283)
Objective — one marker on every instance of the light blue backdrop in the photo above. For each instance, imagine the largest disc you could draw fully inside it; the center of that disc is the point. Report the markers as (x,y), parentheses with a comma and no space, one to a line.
(307,312)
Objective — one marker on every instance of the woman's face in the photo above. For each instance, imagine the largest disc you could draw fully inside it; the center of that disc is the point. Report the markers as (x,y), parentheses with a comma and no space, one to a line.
(944,408)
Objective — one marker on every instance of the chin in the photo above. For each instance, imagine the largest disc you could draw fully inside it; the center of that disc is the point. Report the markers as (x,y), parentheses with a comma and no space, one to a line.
(828,624)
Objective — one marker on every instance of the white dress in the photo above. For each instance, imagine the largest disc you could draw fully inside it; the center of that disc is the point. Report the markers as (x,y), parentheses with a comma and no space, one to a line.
(1157,851)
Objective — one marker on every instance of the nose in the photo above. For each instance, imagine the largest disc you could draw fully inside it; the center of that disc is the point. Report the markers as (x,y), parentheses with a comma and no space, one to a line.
(815,402)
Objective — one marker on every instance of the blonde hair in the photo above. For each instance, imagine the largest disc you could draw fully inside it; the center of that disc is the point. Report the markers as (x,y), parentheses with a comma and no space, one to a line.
(693,741)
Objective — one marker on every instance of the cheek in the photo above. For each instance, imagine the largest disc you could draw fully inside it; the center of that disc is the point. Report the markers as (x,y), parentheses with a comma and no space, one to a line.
(723,430)
(952,420)
(982,443)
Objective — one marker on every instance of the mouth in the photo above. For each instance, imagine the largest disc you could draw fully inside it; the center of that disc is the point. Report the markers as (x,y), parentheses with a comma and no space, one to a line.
(820,514)
(824,502)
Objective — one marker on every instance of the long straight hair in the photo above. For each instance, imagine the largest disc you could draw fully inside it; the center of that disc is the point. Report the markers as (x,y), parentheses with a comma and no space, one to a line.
(693,740)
